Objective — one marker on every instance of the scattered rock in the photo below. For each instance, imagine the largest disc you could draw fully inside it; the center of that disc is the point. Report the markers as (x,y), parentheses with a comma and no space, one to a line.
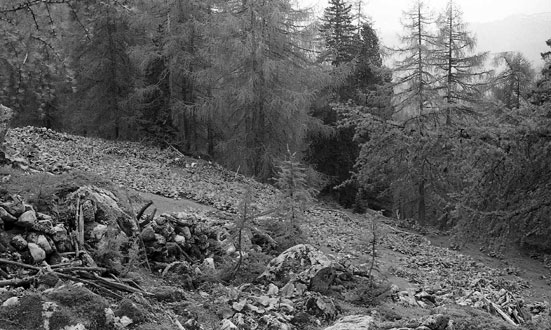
(148,234)
(354,322)
(6,216)
(27,219)
(37,253)
(19,242)
(44,243)
(10,302)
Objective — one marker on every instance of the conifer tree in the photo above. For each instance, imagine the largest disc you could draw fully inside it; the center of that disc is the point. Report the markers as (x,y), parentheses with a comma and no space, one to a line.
(415,95)
(457,79)
(98,49)
(297,194)
(513,83)
(339,32)
(542,92)
(414,77)
(261,83)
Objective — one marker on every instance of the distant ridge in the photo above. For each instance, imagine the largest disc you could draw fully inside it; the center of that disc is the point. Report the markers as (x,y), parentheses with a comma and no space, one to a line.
(520,33)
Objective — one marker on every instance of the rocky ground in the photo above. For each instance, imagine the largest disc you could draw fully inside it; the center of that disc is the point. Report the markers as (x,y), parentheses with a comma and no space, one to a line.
(75,253)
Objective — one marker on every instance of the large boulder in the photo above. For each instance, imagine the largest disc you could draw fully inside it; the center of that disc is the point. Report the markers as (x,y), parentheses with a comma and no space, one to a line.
(301,262)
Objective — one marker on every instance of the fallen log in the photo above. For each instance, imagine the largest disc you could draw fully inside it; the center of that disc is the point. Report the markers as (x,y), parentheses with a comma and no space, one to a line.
(18,281)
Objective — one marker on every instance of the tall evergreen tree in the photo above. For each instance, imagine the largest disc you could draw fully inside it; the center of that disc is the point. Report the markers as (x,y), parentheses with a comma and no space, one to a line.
(339,32)
(457,79)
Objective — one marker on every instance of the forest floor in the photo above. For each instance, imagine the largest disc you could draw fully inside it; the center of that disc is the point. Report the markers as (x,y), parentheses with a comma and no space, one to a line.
(418,276)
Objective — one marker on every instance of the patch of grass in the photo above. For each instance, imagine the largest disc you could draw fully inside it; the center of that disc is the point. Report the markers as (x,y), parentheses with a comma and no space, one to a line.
(28,315)
(468,318)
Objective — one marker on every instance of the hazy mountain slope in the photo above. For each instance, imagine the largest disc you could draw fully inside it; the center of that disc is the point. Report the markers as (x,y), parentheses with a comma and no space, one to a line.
(524,33)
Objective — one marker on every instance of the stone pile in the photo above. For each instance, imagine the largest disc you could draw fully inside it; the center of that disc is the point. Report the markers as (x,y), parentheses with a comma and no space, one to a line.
(91,218)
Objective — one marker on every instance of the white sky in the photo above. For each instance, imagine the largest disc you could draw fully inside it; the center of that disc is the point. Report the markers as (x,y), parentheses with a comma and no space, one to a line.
(386,13)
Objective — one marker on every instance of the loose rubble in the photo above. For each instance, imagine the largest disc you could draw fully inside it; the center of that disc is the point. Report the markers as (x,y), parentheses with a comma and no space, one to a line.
(93,247)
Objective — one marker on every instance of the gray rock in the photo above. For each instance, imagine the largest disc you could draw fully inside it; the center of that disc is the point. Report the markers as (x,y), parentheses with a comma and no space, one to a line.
(61,239)
(6,216)
(37,253)
(148,234)
(353,322)
(302,259)
(186,232)
(19,242)
(15,207)
(60,234)
(43,216)
(27,219)
(98,232)
(160,239)
(43,242)
(181,240)
(13,301)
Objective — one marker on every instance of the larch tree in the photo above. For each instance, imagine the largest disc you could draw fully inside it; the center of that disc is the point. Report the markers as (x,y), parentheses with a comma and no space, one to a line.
(171,59)
(415,95)
(261,82)
(414,76)
(513,83)
(98,52)
(457,79)
(32,67)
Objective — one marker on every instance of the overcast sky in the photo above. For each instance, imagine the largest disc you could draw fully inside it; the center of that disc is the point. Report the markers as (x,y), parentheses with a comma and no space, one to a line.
(386,13)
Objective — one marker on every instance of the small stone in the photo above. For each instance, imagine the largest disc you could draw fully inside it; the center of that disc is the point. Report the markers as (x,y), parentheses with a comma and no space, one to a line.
(43,216)
(160,239)
(186,232)
(16,207)
(13,301)
(125,321)
(37,253)
(148,234)
(161,221)
(19,242)
(43,242)
(181,240)
(6,216)
(27,219)
(98,232)
(209,263)
(61,234)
